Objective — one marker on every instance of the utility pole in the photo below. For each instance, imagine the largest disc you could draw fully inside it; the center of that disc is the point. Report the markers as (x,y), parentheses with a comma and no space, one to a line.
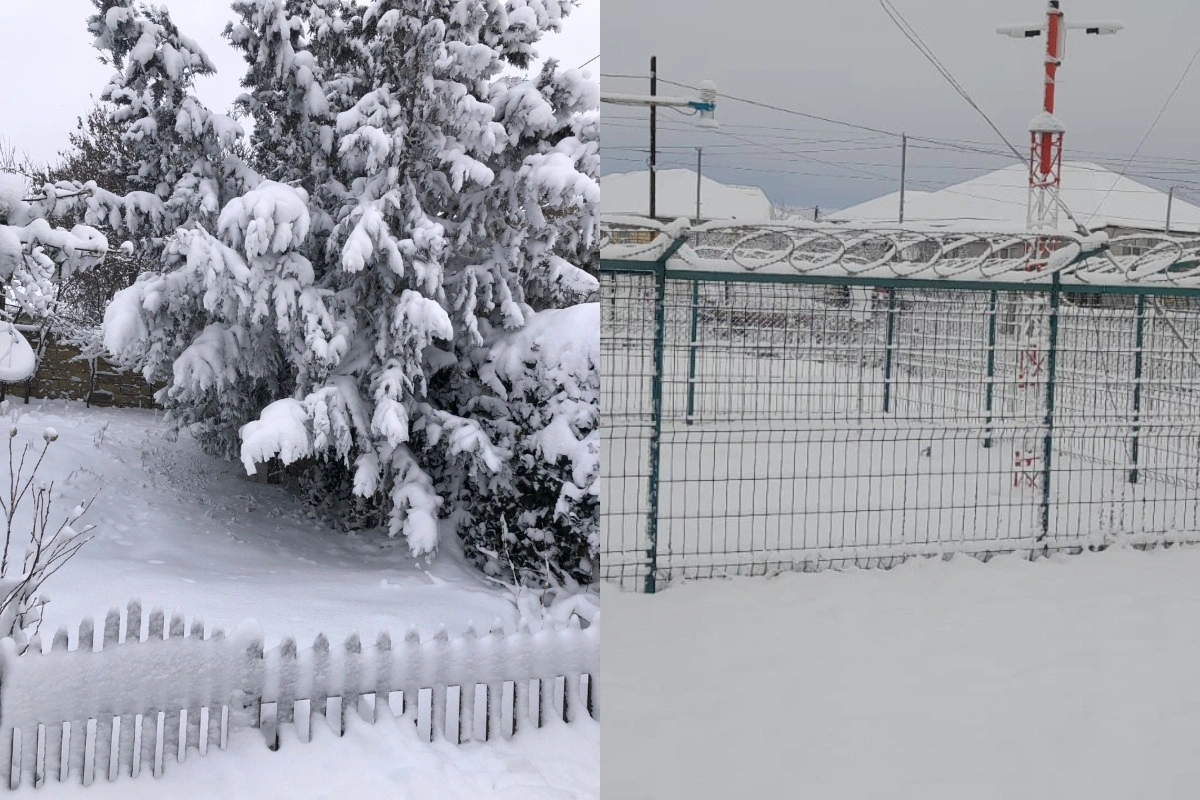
(653,134)
(816,213)
(705,107)
(903,170)
(1170,199)
(699,162)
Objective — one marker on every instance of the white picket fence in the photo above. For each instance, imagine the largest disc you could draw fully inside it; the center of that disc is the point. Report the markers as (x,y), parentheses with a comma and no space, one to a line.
(137,700)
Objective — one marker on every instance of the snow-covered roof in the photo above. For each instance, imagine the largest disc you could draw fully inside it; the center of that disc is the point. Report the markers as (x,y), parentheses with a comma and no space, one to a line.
(629,193)
(999,199)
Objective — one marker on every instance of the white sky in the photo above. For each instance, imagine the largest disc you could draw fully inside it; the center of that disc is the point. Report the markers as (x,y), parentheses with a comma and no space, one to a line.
(847,60)
(49,70)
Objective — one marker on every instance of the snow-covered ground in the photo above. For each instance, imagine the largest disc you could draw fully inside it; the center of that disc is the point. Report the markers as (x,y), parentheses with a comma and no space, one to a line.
(1074,677)
(382,761)
(187,532)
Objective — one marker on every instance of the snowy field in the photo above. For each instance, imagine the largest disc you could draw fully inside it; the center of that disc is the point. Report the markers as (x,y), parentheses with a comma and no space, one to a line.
(181,530)
(1073,677)
(790,455)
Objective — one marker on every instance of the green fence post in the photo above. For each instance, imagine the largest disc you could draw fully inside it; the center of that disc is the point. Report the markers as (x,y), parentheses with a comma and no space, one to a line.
(889,346)
(990,387)
(656,394)
(1051,362)
(1139,337)
(656,399)
(691,387)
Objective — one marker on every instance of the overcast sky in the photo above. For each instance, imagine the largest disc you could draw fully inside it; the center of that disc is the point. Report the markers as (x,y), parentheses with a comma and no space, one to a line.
(49,68)
(847,60)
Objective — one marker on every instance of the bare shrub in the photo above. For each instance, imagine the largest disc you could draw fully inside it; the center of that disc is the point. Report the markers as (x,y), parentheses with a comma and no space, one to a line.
(47,547)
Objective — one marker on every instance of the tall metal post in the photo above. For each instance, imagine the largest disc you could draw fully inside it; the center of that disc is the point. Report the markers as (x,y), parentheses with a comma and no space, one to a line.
(656,400)
(653,136)
(656,396)
(699,168)
(1048,422)
(1045,181)
(903,170)
(692,346)
(889,347)
(1170,199)
(1046,132)
(990,388)
(1139,338)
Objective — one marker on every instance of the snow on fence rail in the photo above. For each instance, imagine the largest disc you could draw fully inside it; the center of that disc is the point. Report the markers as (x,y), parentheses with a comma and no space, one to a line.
(907,252)
(134,701)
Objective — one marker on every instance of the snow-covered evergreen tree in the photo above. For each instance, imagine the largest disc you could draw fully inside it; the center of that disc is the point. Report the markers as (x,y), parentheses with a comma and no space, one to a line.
(289,46)
(178,155)
(342,308)
(95,155)
(539,516)
(35,252)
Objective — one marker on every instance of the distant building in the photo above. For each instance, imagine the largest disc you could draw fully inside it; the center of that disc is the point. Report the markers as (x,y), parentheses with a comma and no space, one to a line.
(675,197)
(1098,197)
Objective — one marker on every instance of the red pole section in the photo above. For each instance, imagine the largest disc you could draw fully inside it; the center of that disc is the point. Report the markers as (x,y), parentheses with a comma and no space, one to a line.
(1054,17)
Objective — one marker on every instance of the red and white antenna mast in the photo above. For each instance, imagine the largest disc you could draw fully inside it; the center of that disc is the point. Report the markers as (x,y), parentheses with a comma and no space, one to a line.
(1045,180)
(1046,132)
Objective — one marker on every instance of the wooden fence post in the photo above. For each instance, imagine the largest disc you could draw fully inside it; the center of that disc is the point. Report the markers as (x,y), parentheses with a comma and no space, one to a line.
(351,679)
(319,696)
(383,676)
(8,652)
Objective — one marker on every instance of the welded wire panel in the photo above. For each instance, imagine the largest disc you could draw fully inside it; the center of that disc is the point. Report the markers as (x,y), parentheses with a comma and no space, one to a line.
(1171,390)
(803,425)
(628,314)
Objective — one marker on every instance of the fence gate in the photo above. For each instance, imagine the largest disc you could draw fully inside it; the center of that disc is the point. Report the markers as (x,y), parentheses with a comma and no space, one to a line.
(793,397)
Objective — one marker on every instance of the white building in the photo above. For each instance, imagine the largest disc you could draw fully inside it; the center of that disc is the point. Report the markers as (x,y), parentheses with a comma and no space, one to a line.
(675,196)
(1098,198)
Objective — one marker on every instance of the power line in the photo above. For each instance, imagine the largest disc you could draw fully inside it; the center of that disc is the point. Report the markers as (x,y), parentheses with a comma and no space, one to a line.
(964,145)
(1187,69)
(791,111)
(590,60)
(911,34)
(919,142)
(1164,170)
(803,157)
(743,149)
(922,167)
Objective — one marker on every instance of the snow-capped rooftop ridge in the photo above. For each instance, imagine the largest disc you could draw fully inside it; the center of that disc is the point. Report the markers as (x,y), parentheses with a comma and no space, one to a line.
(690,173)
(628,193)
(1098,197)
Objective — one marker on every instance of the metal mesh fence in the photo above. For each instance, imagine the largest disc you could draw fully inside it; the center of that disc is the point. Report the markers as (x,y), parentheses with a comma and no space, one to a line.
(756,426)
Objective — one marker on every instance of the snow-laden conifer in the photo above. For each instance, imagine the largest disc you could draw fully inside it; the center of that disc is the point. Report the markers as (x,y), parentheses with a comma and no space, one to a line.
(402,211)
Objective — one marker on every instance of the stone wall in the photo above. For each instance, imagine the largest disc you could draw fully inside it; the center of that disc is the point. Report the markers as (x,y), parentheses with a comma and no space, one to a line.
(62,375)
